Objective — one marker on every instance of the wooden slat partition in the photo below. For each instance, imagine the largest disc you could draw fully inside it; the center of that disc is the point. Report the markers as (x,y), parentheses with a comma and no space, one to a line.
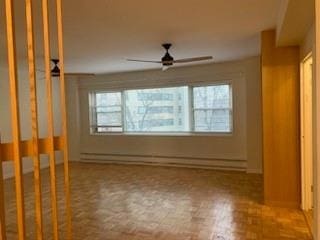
(64,120)
(34,115)
(17,149)
(14,98)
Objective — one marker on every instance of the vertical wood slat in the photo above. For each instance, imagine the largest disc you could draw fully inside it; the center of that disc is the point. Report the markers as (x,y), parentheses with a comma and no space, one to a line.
(317,158)
(12,64)
(34,115)
(46,35)
(2,208)
(64,120)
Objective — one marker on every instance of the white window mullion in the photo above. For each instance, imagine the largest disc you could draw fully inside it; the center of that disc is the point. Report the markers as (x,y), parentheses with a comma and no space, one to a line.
(93,113)
(231,108)
(191,110)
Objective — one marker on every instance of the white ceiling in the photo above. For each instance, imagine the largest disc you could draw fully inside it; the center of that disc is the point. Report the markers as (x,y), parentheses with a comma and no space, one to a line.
(101,34)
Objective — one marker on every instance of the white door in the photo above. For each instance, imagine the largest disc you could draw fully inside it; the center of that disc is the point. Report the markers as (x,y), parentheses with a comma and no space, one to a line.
(306,134)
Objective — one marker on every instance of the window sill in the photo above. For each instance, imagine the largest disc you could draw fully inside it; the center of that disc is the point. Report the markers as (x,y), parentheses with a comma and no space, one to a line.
(168,134)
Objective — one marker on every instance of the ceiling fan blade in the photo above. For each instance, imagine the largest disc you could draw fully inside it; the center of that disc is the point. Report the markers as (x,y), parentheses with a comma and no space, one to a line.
(66,73)
(196,59)
(145,61)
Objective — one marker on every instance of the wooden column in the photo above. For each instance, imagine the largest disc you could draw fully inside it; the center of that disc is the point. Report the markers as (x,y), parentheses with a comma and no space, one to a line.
(34,115)
(15,121)
(281,123)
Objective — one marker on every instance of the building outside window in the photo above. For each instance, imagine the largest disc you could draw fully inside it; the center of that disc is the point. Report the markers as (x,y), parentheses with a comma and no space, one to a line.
(156,110)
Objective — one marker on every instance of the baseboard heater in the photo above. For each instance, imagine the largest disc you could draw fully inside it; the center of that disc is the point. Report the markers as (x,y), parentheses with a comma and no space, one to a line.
(207,163)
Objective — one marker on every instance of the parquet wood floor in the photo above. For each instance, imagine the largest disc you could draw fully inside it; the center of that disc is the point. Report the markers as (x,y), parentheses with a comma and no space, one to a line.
(146,203)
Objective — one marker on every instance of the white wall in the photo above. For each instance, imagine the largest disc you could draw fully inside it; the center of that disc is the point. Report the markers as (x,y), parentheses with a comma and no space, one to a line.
(295,17)
(25,113)
(240,151)
(73,117)
(308,44)
(254,116)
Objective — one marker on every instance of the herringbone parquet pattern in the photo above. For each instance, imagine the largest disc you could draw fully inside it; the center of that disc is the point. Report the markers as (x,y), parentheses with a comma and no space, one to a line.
(145,203)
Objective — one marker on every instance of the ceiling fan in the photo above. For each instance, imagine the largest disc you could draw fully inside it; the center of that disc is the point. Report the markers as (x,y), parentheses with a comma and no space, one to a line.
(55,70)
(168,61)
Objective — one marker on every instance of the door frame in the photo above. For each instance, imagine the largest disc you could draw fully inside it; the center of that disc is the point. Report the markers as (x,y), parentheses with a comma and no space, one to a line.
(306,165)
(317,125)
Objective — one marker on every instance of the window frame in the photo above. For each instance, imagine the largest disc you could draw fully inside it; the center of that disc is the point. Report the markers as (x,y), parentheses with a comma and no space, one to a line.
(191,109)
(94,114)
(231,109)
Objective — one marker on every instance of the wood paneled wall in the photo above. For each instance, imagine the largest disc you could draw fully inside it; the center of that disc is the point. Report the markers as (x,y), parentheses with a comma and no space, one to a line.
(281,122)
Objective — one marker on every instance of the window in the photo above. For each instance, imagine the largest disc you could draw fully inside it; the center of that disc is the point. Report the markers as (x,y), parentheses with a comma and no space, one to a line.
(163,110)
(156,110)
(108,112)
(212,108)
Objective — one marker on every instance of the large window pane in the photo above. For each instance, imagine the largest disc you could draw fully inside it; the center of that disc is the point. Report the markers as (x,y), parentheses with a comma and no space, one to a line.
(108,111)
(212,108)
(157,110)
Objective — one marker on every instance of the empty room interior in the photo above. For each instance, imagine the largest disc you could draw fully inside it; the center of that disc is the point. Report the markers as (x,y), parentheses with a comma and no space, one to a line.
(168,120)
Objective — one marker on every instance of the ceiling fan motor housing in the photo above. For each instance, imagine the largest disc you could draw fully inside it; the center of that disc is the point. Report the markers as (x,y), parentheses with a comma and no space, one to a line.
(167,60)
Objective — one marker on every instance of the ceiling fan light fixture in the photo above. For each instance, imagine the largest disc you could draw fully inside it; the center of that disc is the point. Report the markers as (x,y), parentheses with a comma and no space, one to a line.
(165,68)
(55,72)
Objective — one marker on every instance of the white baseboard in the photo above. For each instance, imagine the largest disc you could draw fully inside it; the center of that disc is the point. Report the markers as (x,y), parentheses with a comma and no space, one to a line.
(220,164)
(74,160)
